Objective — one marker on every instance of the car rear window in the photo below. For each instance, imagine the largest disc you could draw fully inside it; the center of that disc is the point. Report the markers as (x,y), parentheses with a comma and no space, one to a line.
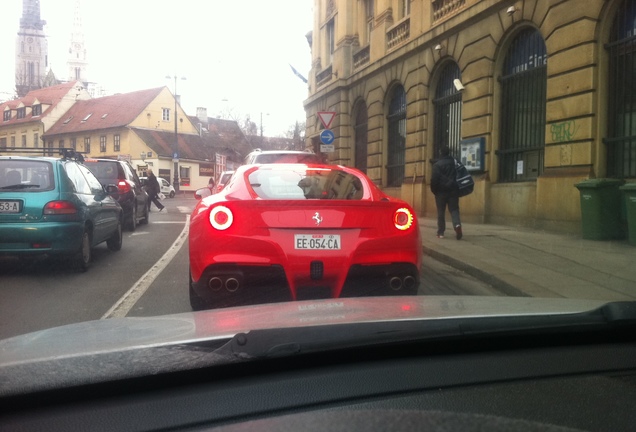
(26,175)
(106,171)
(287,158)
(298,184)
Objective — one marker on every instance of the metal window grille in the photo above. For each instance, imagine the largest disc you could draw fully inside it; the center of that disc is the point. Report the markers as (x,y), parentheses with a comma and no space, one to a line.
(448,111)
(621,134)
(360,130)
(523,101)
(397,138)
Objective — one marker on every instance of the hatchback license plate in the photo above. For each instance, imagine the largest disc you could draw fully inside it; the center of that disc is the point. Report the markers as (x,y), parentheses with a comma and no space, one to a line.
(317,241)
(9,206)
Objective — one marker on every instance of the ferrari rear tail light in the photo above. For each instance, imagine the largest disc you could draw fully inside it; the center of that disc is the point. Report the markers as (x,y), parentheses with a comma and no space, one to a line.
(221,218)
(59,208)
(403,219)
(123,186)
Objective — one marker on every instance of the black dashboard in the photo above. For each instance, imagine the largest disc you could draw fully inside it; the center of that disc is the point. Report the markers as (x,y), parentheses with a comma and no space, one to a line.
(538,382)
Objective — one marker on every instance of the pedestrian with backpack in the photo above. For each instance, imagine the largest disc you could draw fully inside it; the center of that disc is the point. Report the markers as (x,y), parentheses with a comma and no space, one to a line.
(444,187)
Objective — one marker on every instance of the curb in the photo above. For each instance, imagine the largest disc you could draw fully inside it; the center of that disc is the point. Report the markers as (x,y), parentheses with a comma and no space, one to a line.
(495,282)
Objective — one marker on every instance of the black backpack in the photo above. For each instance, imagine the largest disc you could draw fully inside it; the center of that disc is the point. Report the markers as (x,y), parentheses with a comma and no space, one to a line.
(464,180)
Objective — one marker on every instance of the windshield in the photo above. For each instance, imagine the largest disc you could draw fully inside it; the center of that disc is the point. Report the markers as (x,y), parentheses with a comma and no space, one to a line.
(106,171)
(326,161)
(305,183)
(25,175)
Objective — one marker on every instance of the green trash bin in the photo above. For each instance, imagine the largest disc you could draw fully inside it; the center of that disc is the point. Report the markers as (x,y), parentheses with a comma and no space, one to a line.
(601,209)
(629,195)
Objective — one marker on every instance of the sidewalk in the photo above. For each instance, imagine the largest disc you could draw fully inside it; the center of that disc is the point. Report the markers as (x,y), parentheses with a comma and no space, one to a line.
(526,262)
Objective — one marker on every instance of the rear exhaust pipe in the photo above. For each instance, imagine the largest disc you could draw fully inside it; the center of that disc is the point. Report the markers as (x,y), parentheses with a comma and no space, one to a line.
(232,284)
(395,283)
(215,284)
(409,282)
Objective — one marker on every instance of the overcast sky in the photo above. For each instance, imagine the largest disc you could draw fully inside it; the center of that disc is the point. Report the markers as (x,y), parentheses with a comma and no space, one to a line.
(234,54)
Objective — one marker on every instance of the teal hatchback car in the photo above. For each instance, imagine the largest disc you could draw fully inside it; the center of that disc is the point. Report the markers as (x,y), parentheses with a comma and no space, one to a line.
(56,207)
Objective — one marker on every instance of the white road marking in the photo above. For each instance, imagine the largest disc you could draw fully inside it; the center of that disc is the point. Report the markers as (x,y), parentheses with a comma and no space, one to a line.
(121,308)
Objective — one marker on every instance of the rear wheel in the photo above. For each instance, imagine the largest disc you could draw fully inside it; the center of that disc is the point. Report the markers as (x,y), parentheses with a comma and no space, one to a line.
(132,223)
(144,220)
(196,302)
(114,242)
(82,259)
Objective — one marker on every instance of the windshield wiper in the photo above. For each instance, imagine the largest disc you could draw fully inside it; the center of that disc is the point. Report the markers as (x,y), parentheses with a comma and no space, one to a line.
(20,186)
(300,340)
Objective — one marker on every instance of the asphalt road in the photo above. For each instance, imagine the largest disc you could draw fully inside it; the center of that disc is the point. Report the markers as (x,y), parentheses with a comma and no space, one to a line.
(147,277)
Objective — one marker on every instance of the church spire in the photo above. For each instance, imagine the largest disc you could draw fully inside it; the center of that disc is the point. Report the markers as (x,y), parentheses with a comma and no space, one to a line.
(31,60)
(77,61)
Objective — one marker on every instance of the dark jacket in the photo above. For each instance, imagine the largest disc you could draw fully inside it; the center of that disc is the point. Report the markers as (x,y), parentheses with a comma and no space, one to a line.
(443,176)
(153,185)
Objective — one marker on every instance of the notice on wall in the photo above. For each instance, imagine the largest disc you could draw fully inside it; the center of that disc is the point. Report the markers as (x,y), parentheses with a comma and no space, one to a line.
(520,167)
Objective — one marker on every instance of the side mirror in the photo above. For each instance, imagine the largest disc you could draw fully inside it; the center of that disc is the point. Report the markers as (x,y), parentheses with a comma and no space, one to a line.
(143,182)
(111,189)
(202,193)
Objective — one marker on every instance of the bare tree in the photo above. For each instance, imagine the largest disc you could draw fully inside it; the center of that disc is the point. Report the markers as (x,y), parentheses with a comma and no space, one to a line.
(296,132)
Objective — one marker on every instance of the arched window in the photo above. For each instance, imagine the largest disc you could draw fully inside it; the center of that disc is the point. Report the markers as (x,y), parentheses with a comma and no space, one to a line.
(448,111)
(397,137)
(621,119)
(360,132)
(523,100)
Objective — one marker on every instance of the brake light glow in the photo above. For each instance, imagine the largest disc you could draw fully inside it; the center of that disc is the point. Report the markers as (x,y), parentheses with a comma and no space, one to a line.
(221,218)
(59,208)
(123,186)
(403,219)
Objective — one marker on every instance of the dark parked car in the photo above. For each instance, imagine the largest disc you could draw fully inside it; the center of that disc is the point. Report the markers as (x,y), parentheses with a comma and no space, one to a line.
(130,194)
(55,207)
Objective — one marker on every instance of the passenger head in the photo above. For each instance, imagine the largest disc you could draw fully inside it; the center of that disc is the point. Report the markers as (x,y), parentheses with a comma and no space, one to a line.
(14,177)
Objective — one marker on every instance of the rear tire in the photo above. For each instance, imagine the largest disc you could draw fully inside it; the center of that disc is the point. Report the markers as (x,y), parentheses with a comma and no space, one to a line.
(115,241)
(132,223)
(144,220)
(196,302)
(82,259)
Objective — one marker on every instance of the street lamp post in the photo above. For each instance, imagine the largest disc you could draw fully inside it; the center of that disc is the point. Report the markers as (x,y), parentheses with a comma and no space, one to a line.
(175,156)
(262,123)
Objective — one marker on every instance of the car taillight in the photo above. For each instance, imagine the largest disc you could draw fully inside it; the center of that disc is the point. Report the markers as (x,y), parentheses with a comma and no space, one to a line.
(59,208)
(123,186)
(221,218)
(403,219)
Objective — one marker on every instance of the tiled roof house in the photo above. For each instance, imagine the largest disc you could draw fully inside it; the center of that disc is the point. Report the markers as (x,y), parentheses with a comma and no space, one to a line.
(137,126)
(25,120)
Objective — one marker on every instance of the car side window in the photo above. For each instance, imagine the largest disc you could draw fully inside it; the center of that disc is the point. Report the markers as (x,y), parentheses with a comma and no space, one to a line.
(93,183)
(77,178)
(130,173)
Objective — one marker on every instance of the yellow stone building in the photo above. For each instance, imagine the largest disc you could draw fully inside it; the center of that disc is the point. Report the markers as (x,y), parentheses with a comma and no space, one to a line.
(533,95)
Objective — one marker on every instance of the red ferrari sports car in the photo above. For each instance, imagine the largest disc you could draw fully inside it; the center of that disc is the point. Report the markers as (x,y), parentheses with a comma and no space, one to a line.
(280,232)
